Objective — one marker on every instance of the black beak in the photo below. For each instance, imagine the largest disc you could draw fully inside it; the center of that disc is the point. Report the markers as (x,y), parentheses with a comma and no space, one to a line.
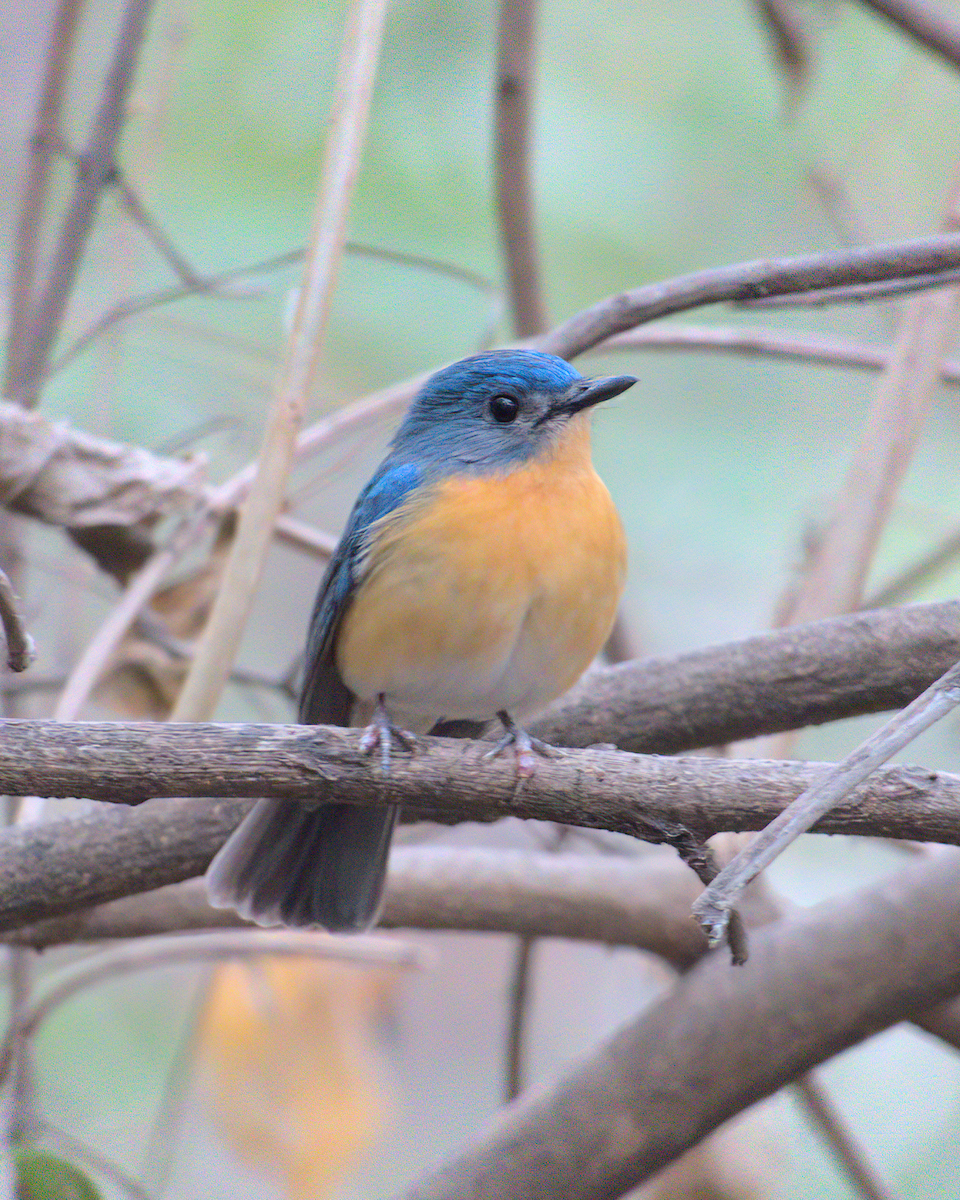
(585,393)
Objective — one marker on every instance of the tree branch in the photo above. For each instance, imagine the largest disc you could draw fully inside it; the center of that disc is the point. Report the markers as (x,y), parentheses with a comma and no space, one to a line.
(748,281)
(643,903)
(513,102)
(815,984)
(651,797)
(805,675)
(93,172)
(933,28)
(54,867)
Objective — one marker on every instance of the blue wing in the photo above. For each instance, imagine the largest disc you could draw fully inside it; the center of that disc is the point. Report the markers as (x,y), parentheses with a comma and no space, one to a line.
(325,699)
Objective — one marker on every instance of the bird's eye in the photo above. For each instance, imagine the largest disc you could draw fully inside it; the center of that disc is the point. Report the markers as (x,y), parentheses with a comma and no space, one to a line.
(504,409)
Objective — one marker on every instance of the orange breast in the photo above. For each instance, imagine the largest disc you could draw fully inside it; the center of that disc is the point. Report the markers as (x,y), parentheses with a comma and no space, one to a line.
(488,593)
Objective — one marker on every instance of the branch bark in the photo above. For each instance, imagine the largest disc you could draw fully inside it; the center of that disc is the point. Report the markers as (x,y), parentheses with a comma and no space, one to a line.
(647,796)
(719,1041)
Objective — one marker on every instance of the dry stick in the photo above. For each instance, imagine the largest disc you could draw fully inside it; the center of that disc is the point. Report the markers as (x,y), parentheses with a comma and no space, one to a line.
(148,953)
(619,902)
(96,167)
(34,203)
(852,1156)
(835,582)
(765,343)
(221,637)
(89,667)
(939,31)
(751,280)
(513,100)
(857,293)
(95,1161)
(790,39)
(217,284)
(816,984)
(712,909)
(21,650)
(650,797)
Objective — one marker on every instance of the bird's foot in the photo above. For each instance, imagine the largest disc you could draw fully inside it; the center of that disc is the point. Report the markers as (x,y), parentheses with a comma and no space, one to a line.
(525,747)
(381,732)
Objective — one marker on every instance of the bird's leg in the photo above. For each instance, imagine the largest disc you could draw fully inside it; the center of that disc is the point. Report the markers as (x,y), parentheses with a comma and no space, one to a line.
(381,731)
(525,746)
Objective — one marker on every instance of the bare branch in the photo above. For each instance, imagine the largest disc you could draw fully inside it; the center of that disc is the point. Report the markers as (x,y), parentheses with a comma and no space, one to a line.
(929,24)
(795,346)
(643,903)
(856,293)
(790,40)
(21,650)
(652,797)
(815,984)
(712,909)
(34,203)
(65,477)
(852,1157)
(53,867)
(220,640)
(805,675)
(97,163)
(513,102)
(746,281)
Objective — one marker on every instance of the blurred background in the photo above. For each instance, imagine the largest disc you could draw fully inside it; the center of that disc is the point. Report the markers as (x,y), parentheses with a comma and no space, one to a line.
(668,139)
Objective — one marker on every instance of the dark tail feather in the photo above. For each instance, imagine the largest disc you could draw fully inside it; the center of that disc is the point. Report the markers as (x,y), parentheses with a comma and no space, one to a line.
(301,867)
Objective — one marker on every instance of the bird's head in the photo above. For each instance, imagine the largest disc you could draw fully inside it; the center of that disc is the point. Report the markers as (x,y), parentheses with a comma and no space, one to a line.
(497,410)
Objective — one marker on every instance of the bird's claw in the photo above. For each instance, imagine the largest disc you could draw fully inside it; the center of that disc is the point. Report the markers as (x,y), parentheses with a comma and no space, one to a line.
(525,747)
(382,733)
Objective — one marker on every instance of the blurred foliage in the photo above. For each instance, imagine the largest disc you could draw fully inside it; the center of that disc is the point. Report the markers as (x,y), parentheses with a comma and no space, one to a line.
(289,1049)
(44,1176)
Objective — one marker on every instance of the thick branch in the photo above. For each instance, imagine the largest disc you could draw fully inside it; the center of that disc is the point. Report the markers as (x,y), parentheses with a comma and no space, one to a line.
(723,1039)
(624,902)
(831,669)
(807,675)
(53,868)
(651,797)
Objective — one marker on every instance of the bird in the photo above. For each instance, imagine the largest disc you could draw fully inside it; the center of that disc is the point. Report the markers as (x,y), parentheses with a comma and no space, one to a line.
(477,577)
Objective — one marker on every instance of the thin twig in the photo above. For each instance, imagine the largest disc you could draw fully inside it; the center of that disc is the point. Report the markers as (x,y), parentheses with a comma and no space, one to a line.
(34,203)
(97,164)
(221,636)
(929,24)
(95,1161)
(752,280)
(21,649)
(857,293)
(512,104)
(150,953)
(518,1000)
(89,667)
(795,346)
(852,1156)
(790,40)
(713,908)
